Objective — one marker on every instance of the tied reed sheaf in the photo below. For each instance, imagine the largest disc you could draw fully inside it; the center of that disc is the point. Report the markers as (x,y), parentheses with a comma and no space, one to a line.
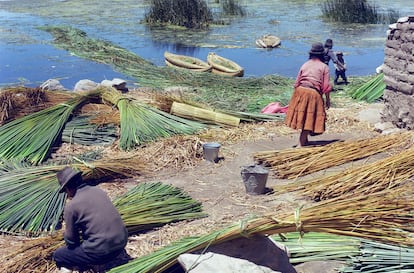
(143,207)
(388,173)
(383,217)
(142,123)
(296,162)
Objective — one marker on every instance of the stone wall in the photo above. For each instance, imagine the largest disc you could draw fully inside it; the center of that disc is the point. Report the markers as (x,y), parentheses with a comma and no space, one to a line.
(398,69)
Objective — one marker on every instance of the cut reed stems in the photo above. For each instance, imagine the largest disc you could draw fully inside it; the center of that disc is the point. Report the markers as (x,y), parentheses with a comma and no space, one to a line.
(294,162)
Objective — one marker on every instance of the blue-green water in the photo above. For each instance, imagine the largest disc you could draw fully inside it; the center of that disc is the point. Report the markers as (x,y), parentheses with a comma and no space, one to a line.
(28,57)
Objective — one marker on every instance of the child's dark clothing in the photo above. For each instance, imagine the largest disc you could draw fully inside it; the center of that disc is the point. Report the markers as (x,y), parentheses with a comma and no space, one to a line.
(340,68)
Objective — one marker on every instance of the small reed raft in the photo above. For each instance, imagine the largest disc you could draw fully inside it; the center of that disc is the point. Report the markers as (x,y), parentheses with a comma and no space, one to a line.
(293,163)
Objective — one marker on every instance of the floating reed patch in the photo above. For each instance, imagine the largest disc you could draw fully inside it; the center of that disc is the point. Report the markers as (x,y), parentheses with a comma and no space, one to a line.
(295,162)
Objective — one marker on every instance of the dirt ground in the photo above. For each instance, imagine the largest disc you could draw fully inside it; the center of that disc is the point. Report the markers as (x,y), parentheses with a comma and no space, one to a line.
(219,186)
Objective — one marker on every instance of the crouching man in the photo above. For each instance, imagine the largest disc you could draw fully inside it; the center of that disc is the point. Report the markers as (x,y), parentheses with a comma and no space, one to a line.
(94,231)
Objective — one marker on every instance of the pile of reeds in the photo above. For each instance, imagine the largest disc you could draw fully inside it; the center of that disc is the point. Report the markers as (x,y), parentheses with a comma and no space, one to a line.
(385,217)
(16,102)
(388,173)
(142,208)
(371,90)
(356,254)
(294,162)
(29,199)
(31,137)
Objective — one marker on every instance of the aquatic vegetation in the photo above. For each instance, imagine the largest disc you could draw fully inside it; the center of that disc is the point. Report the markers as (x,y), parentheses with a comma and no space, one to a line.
(187,13)
(356,11)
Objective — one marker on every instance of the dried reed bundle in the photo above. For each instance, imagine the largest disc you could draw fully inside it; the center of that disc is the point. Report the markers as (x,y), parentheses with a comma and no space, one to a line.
(16,102)
(293,163)
(203,115)
(384,217)
(388,173)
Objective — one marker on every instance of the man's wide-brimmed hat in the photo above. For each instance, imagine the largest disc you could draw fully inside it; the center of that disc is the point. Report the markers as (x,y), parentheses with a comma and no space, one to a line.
(317,49)
(67,175)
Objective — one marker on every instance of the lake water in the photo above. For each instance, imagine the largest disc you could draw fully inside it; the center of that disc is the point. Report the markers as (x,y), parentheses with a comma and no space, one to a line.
(28,57)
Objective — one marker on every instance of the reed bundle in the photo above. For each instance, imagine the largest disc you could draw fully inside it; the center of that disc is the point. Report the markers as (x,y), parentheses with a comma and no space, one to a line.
(31,137)
(142,123)
(357,255)
(383,217)
(293,163)
(143,207)
(371,90)
(317,246)
(204,115)
(388,173)
(376,257)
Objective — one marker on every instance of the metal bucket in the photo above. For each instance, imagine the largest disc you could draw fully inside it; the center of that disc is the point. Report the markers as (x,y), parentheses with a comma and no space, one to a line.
(254,178)
(210,151)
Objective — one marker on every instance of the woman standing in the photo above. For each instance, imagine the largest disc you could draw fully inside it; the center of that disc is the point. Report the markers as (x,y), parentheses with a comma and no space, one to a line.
(307,107)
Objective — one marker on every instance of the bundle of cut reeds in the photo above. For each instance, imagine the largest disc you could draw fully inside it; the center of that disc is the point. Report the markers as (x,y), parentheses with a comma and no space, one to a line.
(144,207)
(203,115)
(142,123)
(31,137)
(388,173)
(384,217)
(294,162)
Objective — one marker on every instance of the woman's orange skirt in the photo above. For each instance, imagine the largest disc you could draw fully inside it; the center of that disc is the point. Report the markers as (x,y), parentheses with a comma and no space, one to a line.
(306,111)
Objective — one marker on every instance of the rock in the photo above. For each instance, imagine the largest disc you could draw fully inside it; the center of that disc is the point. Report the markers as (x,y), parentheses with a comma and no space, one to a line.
(52,85)
(85,85)
(382,126)
(118,84)
(213,262)
(259,249)
(319,266)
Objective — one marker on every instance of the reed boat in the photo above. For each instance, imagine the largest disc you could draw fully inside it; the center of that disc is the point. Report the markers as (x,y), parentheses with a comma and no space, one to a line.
(268,41)
(187,62)
(223,66)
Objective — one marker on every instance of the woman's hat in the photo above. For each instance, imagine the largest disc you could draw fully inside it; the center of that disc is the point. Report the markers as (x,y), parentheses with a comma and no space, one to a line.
(317,49)
(329,43)
(67,175)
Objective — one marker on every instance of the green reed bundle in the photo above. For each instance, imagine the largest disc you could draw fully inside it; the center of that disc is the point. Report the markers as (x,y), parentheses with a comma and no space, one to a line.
(31,137)
(142,123)
(143,207)
(294,162)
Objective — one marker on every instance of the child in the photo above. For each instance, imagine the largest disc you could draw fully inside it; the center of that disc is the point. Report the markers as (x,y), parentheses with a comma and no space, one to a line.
(340,68)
